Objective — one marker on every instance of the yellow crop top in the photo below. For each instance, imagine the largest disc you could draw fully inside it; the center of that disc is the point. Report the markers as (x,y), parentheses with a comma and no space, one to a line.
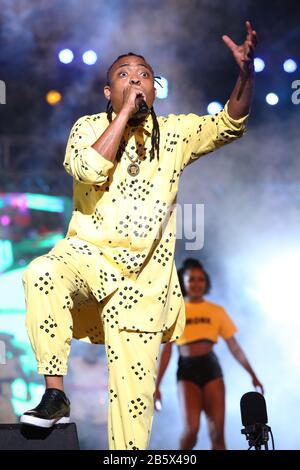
(205,320)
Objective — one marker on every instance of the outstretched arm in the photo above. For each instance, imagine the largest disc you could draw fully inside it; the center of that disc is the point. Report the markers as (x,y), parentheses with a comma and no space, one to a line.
(240,99)
(239,355)
(201,135)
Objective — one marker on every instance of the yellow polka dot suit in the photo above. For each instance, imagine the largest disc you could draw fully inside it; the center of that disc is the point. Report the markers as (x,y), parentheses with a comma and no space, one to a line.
(112,280)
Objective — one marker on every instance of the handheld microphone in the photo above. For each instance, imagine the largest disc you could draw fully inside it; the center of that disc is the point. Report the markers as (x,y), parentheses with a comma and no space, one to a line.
(142,105)
(254,418)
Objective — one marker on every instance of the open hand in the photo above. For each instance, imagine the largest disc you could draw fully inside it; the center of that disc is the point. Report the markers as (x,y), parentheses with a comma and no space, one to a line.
(244,53)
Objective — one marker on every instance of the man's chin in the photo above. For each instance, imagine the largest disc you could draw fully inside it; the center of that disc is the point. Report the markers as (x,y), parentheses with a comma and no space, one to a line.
(198,294)
(137,117)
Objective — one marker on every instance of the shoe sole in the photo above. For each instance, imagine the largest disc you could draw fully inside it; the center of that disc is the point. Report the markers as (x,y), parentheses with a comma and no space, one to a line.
(43,423)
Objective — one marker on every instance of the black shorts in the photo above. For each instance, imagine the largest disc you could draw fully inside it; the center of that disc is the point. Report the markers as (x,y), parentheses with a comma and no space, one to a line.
(199,369)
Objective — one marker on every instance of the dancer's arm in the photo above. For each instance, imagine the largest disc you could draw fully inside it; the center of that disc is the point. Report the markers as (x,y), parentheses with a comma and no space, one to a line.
(240,356)
(163,364)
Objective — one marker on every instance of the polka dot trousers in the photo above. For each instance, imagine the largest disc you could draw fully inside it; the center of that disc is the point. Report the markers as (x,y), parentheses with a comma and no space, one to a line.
(60,306)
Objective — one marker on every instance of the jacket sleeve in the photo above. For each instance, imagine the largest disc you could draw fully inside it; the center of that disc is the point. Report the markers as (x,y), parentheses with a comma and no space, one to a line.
(81,161)
(204,134)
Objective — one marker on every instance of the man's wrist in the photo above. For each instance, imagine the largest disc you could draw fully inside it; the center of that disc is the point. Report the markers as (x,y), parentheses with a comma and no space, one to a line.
(125,113)
(247,75)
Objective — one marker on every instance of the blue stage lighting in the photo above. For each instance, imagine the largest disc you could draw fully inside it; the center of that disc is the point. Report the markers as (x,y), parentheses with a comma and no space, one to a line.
(289,66)
(161,87)
(214,107)
(89,57)
(272,99)
(259,64)
(66,56)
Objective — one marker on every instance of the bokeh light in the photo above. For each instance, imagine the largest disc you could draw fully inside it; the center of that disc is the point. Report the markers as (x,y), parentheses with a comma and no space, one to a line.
(214,107)
(89,57)
(272,99)
(66,56)
(162,88)
(290,66)
(259,64)
(53,97)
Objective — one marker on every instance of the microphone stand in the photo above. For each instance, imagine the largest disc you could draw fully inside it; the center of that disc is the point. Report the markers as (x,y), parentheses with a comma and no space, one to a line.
(257,435)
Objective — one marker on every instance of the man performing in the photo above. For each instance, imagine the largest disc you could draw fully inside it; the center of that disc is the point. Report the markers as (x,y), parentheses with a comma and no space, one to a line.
(112,280)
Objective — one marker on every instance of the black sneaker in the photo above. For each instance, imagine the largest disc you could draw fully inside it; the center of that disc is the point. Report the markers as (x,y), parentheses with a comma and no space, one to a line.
(53,408)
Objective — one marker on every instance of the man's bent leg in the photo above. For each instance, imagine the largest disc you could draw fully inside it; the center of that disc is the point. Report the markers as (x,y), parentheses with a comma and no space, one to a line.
(52,286)
(49,283)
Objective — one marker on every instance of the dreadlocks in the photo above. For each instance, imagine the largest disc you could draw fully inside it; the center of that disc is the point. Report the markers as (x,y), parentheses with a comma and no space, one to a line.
(155,136)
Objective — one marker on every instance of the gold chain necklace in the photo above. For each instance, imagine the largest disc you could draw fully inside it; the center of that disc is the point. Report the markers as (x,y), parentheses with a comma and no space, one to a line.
(133,168)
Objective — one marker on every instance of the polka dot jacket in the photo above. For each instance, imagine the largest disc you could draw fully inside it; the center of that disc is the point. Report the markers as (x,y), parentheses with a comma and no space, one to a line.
(128,222)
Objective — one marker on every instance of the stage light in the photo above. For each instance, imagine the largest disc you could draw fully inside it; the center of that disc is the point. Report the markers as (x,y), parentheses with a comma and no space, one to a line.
(6,260)
(259,64)
(162,88)
(43,202)
(272,99)
(5,220)
(89,57)
(214,107)
(53,97)
(289,66)
(66,56)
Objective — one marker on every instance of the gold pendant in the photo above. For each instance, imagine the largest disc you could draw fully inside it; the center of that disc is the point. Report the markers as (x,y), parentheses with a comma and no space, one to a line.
(133,169)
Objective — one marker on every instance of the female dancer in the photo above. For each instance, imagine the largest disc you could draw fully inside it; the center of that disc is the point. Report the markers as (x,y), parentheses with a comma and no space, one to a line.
(199,375)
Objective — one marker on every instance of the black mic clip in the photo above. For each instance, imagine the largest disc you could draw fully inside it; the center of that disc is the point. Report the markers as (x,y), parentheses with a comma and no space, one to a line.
(257,435)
